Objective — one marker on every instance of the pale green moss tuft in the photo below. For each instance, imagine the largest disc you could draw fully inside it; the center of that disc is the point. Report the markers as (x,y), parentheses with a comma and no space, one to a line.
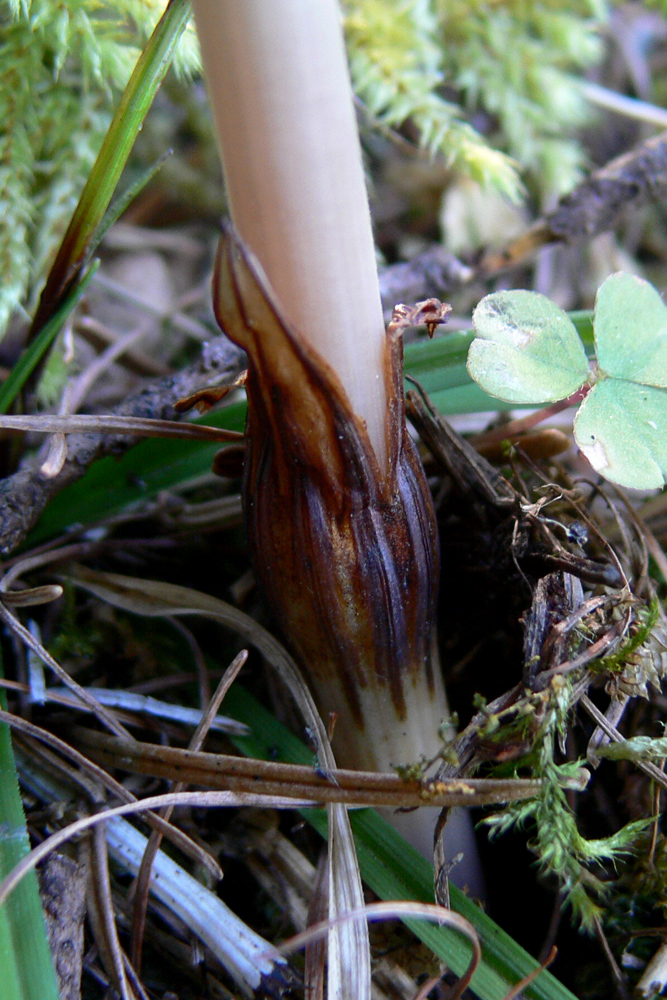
(63,67)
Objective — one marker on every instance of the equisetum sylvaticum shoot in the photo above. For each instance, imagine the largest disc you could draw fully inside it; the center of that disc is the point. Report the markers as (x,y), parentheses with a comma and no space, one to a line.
(339,516)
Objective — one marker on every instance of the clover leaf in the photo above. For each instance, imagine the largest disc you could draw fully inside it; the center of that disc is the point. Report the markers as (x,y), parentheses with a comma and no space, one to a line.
(621,426)
(527,350)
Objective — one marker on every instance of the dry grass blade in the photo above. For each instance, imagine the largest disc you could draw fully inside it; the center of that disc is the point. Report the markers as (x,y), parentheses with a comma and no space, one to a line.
(105,717)
(250,959)
(209,716)
(216,800)
(100,910)
(178,319)
(654,978)
(72,397)
(429,985)
(154,598)
(31,596)
(518,989)
(349,948)
(100,337)
(179,839)
(86,423)
(15,568)
(199,659)
(138,704)
(128,703)
(650,769)
(349,966)
(315,951)
(399,910)
(155,839)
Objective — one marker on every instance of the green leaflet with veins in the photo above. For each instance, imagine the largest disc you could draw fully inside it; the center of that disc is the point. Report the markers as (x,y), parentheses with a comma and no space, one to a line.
(527,351)
(621,426)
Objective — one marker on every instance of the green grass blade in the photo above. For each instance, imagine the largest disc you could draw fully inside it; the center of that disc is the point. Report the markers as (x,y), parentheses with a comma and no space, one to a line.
(440,368)
(583,321)
(26,968)
(33,354)
(114,212)
(112,485)
(394,870)
(86,225)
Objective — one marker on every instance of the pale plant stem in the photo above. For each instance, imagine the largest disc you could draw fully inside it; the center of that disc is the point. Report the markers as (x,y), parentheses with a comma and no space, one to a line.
(523,424)
(621,104)
(283,107)
(279,87)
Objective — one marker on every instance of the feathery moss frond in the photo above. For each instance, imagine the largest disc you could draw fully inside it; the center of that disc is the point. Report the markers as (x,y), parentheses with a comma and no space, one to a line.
(435,63)
(560,848)
(396,63)
(62,68)
(519,62)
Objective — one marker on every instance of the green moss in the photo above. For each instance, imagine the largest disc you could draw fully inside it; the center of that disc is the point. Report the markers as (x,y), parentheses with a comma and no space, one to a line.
(63,68)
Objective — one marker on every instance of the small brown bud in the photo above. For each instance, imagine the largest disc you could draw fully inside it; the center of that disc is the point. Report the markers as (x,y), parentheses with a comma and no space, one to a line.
(429,313)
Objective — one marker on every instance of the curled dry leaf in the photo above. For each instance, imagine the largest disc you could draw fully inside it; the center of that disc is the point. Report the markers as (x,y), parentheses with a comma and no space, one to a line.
(30,596)
(207,397)
(429,313)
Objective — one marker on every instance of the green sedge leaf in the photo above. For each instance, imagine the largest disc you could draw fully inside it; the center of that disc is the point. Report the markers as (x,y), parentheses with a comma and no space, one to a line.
(526,349)
(621,428)
(26,966)
(395,870)
(631,330)
(33,354)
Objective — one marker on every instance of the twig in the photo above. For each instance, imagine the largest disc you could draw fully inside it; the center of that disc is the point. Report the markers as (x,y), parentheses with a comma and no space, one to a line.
(618,979)
(220,771)
(595,206)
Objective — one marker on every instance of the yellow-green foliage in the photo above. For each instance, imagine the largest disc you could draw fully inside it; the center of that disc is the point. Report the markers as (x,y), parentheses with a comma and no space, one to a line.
(397,61)
(63,66)
(519,61)
(437,63)
(584,868)
(516,60)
